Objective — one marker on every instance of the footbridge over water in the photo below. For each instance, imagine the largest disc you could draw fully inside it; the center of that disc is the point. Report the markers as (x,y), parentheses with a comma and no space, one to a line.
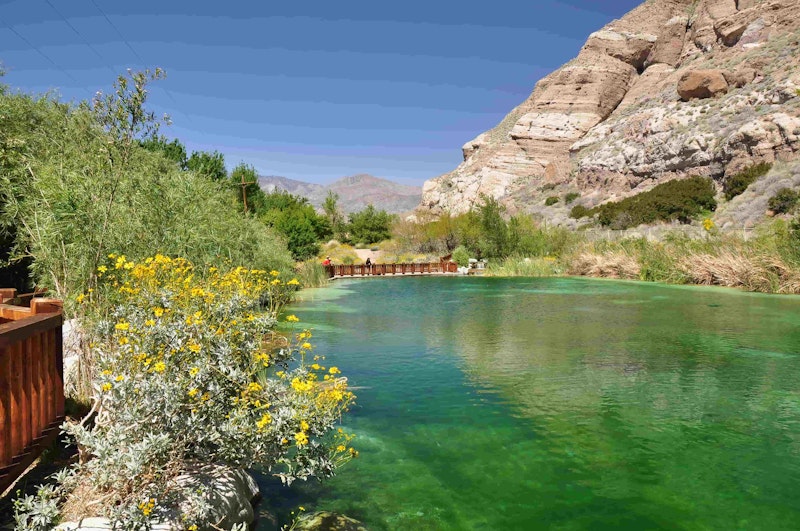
(361,270)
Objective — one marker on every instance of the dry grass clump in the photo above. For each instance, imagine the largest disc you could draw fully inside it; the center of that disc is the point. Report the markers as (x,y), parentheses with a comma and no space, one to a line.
(608,265)
(763,273)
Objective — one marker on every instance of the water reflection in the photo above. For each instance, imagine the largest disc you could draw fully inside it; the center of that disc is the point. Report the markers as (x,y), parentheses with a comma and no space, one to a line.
(568,403)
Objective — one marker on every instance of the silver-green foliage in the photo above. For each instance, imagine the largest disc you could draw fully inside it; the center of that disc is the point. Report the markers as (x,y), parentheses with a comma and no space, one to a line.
(76,185)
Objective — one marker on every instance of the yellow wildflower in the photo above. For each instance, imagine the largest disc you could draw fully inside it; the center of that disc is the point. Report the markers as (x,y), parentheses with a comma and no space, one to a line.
(79,298)
(293,282)
(266,418)
(274,273)
(193,371)
(122,326)
(159,367)
(193,392)
(106,387)
(158,312)
(301,438)
(292,319)
(341,448)
(119,378)
(194,347)
(149,322)
(254,387)
(304,425)
(102,269)
(334,370)
(306,345)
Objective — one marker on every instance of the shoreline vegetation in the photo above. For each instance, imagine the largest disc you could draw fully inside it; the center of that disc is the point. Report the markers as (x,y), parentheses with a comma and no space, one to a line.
(174,290)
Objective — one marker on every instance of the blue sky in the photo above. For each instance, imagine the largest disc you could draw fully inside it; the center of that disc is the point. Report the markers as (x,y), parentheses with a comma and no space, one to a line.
(313,90)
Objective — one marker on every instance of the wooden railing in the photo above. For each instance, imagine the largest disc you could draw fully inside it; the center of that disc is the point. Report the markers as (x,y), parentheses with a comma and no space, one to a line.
(31,382)
(428,268)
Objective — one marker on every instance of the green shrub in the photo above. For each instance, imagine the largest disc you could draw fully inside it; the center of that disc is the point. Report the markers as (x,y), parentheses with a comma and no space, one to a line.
(579,211)
(461,256)
(673,200)
(570,197)
(552,200)
(736,184)
(784,201)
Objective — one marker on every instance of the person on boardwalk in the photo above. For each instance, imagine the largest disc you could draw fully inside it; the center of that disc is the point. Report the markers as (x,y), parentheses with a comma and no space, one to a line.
(327,261)
(369,262)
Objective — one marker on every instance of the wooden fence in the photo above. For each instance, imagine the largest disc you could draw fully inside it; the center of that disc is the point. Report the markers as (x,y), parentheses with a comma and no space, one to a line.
(31,381)
(428,268)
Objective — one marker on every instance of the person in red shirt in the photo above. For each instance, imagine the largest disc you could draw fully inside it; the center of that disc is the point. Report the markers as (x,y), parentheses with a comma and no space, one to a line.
(327,261)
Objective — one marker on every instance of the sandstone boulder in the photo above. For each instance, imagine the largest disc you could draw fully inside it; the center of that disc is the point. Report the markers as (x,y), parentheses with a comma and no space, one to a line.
(702,84)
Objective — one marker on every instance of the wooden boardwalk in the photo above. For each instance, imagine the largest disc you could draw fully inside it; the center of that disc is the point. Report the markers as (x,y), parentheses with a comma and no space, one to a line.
(428,268)
(31,381)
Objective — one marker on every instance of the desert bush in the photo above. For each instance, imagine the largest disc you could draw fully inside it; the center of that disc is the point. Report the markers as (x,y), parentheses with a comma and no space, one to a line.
(784,201)
(673,200)
(570,197)
(579,211)
(192,372)
(738,183)
(552,200)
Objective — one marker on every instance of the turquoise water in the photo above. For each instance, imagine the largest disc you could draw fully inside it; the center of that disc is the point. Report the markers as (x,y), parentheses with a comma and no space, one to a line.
(489,403)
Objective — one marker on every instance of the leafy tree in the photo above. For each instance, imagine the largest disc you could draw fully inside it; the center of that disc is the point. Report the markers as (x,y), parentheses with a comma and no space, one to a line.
(297,220)
(210,165)
(334,216)
(370,225)
(250,194)
(461,256)
(174,151)
(494,232)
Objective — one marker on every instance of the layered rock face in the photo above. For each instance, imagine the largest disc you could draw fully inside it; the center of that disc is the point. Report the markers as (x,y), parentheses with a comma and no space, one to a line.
(674,88)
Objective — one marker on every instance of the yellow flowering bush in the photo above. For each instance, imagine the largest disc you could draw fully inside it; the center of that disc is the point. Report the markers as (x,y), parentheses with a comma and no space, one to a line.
(192,371)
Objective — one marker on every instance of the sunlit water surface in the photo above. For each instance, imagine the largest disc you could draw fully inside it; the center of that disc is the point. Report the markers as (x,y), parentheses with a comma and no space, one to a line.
(504,404)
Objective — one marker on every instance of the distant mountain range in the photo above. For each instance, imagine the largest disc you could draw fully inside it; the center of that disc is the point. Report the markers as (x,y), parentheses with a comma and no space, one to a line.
(355,192)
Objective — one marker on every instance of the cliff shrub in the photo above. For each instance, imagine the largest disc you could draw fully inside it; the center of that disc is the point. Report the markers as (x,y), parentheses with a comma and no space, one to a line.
(570,197)
(579,211)
(677,200)
(738,183)
(192,371)
(784,201)
(552,200)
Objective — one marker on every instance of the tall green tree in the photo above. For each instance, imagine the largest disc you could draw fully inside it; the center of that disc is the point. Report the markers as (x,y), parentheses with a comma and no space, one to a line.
(297,220)
(494,231)
(334,215)
(250,193)
(370,226)
(209,165)
(174,151)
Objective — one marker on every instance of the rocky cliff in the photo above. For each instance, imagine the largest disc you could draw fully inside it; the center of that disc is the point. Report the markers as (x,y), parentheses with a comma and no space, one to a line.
(673,88)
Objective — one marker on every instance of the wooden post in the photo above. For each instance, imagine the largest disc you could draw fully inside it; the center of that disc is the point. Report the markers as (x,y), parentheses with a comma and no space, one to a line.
(7,293)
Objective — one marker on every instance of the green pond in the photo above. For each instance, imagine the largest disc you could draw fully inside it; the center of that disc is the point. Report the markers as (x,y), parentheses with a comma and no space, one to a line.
(488,403)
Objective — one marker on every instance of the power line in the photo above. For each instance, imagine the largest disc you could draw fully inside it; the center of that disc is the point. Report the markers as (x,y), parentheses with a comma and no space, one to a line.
(85,41)
(141,61)
(46,57)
